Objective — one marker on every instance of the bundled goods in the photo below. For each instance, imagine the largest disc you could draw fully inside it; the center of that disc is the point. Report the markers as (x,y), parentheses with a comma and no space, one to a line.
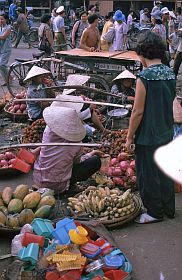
(122,171)
(117,140)
(19,108)
(6,159)
(33,133)
(21,206)
(103,203)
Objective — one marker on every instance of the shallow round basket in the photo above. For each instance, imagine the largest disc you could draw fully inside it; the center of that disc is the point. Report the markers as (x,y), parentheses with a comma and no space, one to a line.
(9,171)
(128,218)
(15,117)
(122,220)
(12,231)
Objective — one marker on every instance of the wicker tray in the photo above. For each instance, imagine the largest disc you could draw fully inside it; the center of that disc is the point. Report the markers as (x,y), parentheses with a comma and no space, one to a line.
(15,117)
(122,220)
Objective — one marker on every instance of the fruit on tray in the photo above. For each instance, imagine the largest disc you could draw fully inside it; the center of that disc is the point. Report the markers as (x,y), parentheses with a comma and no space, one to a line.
(117,140)
(18,107)
(33,133)
(122,171)
(19,207)
(103,203)
(6,159)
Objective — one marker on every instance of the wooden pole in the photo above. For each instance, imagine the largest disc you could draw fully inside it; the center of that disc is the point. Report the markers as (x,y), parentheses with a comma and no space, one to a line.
(34,145)
(70,101)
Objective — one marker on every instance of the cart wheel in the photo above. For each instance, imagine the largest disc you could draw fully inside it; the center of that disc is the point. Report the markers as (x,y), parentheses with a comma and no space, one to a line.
(99,83)
(16,75)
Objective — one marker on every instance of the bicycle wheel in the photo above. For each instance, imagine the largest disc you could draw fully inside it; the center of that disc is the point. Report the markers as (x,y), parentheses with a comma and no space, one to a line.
(33,37)
(13,35)
(16,75)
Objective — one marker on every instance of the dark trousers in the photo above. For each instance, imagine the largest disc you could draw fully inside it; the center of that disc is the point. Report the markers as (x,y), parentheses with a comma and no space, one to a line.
(177,62)
(19,36)
(156,190)
(83,170)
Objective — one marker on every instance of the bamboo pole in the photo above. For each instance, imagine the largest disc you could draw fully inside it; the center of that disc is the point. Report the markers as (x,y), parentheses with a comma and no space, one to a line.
(70,101)
(28,145)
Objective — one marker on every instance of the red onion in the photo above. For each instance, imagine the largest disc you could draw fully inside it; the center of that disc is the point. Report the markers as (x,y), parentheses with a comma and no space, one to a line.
(129,172)
(132,164)
(124,165)
(114,161)
(122,156)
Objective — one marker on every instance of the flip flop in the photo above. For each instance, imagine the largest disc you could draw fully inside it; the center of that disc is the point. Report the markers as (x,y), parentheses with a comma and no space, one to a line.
(146,219)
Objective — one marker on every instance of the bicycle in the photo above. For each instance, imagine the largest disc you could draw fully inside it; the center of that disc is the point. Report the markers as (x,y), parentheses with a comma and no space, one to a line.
(32,33)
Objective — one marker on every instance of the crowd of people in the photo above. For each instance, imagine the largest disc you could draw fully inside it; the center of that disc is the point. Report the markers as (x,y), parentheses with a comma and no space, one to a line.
(151,123)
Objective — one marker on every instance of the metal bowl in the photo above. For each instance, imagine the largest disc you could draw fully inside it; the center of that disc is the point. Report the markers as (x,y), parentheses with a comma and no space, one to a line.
(118,113)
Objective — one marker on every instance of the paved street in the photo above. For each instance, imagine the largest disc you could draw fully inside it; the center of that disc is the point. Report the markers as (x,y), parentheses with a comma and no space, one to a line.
(155,250)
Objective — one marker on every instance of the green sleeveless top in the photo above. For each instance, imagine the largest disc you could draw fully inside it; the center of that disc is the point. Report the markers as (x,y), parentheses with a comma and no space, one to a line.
(156,127)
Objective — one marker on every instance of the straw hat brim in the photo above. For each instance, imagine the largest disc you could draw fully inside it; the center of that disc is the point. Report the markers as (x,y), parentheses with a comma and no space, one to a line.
(75,79)
(65,123)
(36,71)
(74,105)
(125,75)
(169,159)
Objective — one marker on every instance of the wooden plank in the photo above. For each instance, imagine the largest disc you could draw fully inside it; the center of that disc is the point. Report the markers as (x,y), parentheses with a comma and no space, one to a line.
(128,55)
(83,53)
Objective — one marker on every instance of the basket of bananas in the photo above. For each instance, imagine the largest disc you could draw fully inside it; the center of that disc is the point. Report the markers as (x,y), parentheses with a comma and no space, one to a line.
(112,207)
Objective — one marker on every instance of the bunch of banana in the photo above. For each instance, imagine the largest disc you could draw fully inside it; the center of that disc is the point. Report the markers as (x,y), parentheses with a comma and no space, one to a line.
(101,202)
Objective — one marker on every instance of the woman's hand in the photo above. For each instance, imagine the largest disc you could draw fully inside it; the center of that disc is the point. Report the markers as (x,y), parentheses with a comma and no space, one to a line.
(129,144)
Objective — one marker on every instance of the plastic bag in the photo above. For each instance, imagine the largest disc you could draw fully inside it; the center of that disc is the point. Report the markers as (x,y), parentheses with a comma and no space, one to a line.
(16,245)
(26,228)
(109,36)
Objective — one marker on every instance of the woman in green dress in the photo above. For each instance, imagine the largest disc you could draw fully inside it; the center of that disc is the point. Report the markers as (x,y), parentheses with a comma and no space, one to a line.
(151,126)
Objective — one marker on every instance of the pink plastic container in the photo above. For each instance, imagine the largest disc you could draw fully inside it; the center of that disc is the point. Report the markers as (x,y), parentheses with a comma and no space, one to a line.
(26,155)
(32,238)
(21,165)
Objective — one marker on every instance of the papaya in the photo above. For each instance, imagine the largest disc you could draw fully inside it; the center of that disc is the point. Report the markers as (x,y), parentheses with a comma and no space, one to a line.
(4,210)
(12,221)
(43,212)
(7,195)
(15,206)
(47,200)
(1,202)
(2,219)
(26,217)
(31,200)
(21,191)
(48,192)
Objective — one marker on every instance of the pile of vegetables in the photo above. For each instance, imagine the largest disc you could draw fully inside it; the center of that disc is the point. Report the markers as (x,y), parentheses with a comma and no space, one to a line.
(122,171)
(103,203)
(21,206)
(117,140)
(19,108)
(33,133)
(6,159)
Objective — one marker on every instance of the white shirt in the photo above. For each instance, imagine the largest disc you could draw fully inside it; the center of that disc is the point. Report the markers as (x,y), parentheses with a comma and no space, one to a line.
(58,23)
(144,20)
(179,49)
(129,21)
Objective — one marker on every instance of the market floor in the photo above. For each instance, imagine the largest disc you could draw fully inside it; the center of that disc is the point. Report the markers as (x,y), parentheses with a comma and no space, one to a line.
(154,250)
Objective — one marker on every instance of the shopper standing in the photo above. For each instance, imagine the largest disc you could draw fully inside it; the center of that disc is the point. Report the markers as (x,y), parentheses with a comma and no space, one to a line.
(59,29)
(13,12)
(45,33)
(5,46)
(178,56)
(109,23)
(23,28)
(151,126)
(78,29)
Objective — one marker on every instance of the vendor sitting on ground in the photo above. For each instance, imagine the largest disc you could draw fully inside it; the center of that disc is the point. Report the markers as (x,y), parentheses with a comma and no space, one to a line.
(36,89)
(60,167)
(85,112)
(122,86)
(90,40)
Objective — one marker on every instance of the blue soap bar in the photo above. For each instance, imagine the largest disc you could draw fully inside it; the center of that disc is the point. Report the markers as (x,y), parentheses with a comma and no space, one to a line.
(114,261)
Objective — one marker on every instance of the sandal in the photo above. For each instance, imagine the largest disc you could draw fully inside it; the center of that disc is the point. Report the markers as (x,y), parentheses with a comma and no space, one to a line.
(146,219)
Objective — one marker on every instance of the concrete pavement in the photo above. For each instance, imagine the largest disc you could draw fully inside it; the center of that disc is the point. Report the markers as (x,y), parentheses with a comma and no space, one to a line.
(155,250)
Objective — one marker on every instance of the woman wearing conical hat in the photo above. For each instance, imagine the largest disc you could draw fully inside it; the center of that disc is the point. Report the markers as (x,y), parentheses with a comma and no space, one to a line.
(122,86)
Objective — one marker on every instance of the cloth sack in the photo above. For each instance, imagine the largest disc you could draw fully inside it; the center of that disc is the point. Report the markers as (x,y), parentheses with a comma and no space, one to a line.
(177,111)
(109,36)
(44,44)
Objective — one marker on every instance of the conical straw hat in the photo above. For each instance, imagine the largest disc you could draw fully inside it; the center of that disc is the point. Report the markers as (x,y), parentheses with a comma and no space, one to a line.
(36,71)
(169,159)
(74,105)
(75,79)
(125,75)
(65,123)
